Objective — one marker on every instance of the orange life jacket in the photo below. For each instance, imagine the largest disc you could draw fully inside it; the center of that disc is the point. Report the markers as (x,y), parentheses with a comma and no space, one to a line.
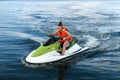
(63,33)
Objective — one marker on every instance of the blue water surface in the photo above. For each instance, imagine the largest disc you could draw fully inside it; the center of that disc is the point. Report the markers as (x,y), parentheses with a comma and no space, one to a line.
(96,24)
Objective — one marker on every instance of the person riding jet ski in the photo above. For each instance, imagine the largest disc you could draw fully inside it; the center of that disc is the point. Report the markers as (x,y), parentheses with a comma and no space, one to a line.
(64,34)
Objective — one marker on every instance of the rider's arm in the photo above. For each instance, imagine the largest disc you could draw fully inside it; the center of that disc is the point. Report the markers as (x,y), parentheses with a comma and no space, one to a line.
(54,33)
(69,35)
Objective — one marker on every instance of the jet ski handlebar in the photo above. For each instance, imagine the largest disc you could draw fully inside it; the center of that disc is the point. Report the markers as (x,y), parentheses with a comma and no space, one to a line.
(54,37)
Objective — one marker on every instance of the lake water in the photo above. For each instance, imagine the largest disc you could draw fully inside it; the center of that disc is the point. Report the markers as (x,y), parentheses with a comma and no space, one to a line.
(96,24)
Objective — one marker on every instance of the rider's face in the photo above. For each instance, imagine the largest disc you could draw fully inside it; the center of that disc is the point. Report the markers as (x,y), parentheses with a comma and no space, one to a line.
(59,27)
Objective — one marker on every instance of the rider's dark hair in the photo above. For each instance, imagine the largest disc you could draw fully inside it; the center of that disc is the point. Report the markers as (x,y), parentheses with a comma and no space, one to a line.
(60,23)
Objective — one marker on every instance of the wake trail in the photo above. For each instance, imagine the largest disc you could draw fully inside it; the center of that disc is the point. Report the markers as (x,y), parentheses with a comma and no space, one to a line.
(92,42)
(24,35)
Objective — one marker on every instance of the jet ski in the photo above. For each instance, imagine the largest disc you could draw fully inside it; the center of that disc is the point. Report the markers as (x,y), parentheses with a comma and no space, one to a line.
(50,51)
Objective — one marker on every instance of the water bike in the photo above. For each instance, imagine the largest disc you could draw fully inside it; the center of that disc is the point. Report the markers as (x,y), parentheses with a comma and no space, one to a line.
(50,51)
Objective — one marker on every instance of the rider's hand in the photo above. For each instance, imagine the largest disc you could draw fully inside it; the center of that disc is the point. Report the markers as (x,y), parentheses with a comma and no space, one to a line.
(60,41)
(64,39)
(49,35)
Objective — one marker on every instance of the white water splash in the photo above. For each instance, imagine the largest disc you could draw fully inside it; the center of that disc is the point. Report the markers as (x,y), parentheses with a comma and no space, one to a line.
(91,41)
(24,35)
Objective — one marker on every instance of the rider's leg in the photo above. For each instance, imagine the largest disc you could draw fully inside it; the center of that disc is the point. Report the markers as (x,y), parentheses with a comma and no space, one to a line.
(64,47)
